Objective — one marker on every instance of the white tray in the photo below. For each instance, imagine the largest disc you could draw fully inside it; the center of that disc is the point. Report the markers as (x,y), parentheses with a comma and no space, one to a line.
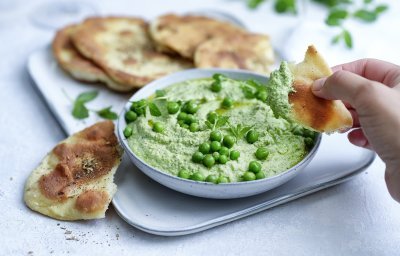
(153,208)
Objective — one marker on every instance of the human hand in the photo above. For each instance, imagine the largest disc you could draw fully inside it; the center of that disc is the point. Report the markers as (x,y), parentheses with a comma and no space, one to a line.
(370,90)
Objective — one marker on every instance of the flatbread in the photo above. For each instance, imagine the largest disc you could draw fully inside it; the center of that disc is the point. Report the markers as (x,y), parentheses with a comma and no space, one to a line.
(183,34)
(308,110)
(244,51)
(75,180)
(122,47)
(79,67)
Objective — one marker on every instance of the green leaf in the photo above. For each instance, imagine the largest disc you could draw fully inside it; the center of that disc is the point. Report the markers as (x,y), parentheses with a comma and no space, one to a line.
(244,131)
(285,6)
(365,15)
(337,38)
(348,39)
(368,1)
(209,125)
(381,8)
(80,111)
(253,4)
(87,96)
(106,113)
(222,120)
(336,17)
(154,110)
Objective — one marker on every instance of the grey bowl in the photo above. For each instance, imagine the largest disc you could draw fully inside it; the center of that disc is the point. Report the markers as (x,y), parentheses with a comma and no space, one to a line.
(205,189)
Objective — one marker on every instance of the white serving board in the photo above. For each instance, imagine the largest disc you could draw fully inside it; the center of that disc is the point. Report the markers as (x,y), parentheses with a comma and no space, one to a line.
(153,208)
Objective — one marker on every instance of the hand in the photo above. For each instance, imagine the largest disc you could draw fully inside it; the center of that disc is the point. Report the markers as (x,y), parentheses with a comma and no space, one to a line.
(371,91)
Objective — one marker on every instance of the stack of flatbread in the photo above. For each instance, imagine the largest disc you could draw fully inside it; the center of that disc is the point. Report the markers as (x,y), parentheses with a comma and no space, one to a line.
(126,53)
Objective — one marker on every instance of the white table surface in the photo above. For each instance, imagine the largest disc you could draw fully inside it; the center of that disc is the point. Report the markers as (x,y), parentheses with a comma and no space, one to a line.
(355,218)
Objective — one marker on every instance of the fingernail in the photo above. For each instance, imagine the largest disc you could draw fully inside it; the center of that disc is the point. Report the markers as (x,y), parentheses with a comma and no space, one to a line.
(317,85)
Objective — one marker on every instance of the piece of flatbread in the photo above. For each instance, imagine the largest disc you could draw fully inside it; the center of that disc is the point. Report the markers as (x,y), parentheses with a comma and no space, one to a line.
(308,110)
(122,47)
(244,51)
(75,180)
(183,34)
(79,67)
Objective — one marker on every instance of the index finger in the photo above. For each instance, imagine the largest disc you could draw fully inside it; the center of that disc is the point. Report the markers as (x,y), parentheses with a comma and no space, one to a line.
(372,69)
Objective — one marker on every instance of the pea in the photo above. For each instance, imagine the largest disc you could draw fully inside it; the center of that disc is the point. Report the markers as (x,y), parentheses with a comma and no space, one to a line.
(128,132)
(216,86)
(218,77)
(222,179)
(262,95)
(185,107)
(204,148)
(172,107)
(197,157)
(216,156)
(229,141)
(224,151)
(208,161)
(212,117)
(192,107)
(260,175)
(234,155)
(130,116)
(197,176)
(190,119)
(185,126)
(252,136)
(215,146)
(249,176)
(262,153)
(184,174)
(212,178)
(227,102)
(223,159)
(181,122)
(182,116)
(194,127)
(254,166)
(215,136)
(158,127)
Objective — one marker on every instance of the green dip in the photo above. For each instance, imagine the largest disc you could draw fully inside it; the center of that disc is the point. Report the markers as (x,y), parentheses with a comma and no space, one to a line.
(171,150)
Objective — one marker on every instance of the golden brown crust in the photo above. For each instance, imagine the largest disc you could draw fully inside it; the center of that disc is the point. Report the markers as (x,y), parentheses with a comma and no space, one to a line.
(244,51)
(311,111)
(75,180)
(122,47)
(183,34)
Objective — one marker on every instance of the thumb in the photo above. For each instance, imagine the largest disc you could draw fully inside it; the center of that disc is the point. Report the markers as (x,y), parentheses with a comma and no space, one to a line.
(343,85)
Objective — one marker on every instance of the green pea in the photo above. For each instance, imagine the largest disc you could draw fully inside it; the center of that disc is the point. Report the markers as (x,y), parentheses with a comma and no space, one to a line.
(194,127)
(234,155)
(204,148)
(184,174)
(158,127)
(212,178)
(192,107)
(262,95)
(262,153)
(190,119)
(254,166)
(172,107)
(185,126)
(216,156)
(229,141)
(227,102)
(223,159)
(222,179)
(197,176)
(181,122)
(218,77)
(130,116)
(216,86)
(208,161)
(252,136)
(128,132)
(197,157)
(182,116)
(260,175)
(248,176)
(212,117)
(215,136)
(224,151)
(215,146)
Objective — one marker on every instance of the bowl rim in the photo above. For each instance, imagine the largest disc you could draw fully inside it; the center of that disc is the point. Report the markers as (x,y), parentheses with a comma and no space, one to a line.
(121,122)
